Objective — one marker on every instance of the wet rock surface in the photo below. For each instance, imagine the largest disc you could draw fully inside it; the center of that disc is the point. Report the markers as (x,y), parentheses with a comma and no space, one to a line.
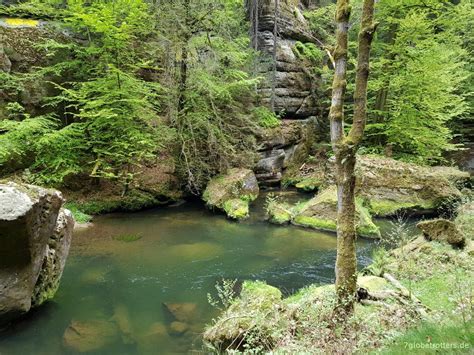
(35,235)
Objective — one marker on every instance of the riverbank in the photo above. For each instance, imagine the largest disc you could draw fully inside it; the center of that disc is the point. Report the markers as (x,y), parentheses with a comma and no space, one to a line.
(420,296)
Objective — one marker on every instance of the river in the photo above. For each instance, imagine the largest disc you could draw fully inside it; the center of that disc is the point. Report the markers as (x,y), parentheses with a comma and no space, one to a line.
(132,263)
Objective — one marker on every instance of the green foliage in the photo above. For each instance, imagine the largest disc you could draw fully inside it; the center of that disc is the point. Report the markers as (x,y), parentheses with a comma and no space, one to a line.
(79,215)
(417,83)
(309,51)
(213,89)
(20,139)
(265,117)
(115,128)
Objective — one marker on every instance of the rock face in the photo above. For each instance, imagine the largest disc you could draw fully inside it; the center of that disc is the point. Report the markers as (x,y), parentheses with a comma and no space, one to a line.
(321,213)
(35,235)
(279,147)
(293,86)
(442,230)
(232,192)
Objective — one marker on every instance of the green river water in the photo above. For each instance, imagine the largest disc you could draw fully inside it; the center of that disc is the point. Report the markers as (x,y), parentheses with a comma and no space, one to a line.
(180,255)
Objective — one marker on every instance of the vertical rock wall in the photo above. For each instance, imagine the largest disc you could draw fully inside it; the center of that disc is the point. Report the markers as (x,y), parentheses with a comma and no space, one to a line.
(293,94)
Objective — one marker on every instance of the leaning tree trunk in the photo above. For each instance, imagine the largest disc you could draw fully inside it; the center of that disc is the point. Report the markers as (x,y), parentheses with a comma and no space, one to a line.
(345,148)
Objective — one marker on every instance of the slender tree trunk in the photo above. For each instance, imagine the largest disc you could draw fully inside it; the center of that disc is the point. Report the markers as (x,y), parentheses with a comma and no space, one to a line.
(275,46)
(345,148)
(183,72)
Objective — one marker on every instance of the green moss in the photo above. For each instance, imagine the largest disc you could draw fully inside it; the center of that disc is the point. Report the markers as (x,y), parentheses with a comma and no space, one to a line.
(366,227)
(260,289)
(315,223)
(388,207)
(133,201)
(236,208)
(309,184)
(79,215)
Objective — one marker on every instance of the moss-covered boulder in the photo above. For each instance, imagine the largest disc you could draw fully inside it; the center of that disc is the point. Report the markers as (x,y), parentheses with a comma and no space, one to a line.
(442,230)
(390,185)
(253,317)
(321,213)
(232,192)
(279,212)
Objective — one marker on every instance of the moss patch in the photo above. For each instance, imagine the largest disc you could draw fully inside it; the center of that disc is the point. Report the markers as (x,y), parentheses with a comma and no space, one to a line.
(78,214)
(237,209)
(309,184)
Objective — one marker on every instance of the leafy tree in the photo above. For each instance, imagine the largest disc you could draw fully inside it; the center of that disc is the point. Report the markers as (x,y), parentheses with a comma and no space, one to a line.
(345,146)
(418,79)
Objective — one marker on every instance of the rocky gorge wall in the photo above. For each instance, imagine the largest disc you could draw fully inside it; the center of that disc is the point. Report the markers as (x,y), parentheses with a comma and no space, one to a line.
(289,88)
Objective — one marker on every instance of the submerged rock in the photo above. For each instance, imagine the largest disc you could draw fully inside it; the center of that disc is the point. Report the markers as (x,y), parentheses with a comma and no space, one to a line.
(178,328)
(186,312)
(35,235)
(232,192)
(321,213)
(442,230)
(90,335)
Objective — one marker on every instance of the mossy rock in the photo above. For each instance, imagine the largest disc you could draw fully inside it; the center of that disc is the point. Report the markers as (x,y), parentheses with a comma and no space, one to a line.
(391,186)
(232,192)
(237,208)
(442,230)
(279,213)
(321,213)
(251,317)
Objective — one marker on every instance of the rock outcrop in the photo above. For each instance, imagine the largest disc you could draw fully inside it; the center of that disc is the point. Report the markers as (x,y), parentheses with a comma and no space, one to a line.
(389,186)
(35,235)
(292,84)
(279,147)
(232,192)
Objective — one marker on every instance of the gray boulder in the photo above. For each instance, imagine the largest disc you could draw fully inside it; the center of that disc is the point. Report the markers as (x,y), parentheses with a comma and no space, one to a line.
(35,235)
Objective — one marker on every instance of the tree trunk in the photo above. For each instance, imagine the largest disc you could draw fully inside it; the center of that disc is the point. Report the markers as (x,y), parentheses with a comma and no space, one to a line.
(345,148)
(183,70)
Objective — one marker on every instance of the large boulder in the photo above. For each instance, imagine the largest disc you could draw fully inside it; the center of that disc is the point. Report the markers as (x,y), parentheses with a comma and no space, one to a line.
(255,312)
(232,192)
(442,230)
(390,185)
(321,213)
(35,235)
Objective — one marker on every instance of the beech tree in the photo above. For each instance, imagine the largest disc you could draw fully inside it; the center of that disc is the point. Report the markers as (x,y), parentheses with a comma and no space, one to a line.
(345,146)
